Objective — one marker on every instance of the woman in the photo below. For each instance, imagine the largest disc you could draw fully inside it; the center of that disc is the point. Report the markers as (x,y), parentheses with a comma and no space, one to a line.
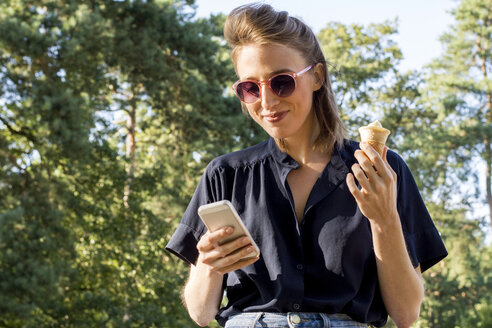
(343,232)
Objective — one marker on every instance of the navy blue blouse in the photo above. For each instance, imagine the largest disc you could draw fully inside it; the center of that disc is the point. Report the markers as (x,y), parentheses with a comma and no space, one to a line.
(325,263)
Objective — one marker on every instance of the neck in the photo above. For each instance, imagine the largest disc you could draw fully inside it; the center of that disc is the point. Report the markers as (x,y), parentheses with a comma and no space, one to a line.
(301,146)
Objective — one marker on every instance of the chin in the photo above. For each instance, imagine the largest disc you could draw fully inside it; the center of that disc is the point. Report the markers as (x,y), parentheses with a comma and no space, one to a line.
(277,134)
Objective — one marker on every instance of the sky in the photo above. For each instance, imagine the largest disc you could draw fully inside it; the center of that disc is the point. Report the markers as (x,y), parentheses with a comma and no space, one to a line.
(421,22)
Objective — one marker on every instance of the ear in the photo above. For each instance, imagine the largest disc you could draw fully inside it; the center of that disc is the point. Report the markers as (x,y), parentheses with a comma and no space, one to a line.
(319,76)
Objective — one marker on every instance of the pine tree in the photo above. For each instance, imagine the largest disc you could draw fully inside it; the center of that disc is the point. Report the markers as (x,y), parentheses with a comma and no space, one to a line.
(459,85)
(83,221)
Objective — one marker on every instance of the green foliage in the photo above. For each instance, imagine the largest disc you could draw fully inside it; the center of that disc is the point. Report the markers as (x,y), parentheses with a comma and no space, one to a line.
(72,253)
(458,89)
(362,57)
(438,120)
(75,253)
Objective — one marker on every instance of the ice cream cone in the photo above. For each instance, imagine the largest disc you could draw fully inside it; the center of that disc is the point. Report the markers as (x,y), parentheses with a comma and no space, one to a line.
(375,135)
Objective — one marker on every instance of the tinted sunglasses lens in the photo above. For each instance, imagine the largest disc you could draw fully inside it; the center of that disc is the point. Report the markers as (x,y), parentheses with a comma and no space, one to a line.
(283,85)
(248,91)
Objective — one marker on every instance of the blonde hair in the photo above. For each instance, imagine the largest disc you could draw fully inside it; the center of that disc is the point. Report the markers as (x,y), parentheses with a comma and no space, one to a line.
(260,23)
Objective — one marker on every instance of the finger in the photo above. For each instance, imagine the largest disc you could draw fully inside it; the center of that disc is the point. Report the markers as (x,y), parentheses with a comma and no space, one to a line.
(389,169)
(380,165)
(236,261)
(366,164)
(224,250)
(371,153)
(232,246)
(354,190)
(204,244)
(224,261)
(219,234)
(361,177)
(211,240)
(385,159)
(239,265)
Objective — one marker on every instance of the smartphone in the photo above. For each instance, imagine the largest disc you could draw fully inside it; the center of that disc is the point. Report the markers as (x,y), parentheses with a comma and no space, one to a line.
(223,214)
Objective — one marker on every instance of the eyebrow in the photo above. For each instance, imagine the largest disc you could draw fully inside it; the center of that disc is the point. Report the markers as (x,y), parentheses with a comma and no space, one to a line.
(280,71)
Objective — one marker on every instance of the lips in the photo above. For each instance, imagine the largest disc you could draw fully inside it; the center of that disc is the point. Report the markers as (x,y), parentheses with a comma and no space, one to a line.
(275,117)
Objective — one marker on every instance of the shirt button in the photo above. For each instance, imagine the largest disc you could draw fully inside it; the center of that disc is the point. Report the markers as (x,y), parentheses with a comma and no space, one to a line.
(296,306)
(295,319)
(300,267)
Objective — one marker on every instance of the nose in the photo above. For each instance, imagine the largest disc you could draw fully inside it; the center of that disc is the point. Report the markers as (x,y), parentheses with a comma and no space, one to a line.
(268,98)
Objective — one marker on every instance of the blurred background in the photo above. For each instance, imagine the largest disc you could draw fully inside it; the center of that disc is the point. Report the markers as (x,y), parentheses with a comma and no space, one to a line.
(110,111)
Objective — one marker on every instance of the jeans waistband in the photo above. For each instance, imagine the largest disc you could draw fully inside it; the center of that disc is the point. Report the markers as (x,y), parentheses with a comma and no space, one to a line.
(291,320)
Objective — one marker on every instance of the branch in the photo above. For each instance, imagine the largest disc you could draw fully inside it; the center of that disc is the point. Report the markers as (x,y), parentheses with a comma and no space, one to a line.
(12,159)
(20,132)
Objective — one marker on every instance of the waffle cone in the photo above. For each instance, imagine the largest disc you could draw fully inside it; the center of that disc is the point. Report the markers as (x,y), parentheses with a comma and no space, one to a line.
(376,136)
(379,147)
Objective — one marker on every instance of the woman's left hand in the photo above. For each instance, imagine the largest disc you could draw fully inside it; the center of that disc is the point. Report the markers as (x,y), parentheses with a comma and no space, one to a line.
(376,196)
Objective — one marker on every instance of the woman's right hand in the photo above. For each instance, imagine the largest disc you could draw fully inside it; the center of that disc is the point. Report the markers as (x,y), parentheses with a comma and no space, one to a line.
(227,257)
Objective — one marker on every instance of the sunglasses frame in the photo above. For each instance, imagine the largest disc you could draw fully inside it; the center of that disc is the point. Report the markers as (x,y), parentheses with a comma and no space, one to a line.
(269,83)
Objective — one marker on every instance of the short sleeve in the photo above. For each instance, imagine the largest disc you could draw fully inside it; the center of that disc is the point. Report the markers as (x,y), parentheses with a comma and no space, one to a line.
(424,243)
(189,231)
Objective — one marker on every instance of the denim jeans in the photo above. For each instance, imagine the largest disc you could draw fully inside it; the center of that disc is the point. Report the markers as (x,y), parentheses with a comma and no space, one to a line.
(291,320)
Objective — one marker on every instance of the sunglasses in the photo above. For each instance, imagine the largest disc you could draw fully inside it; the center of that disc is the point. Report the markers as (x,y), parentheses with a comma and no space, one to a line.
(282,85)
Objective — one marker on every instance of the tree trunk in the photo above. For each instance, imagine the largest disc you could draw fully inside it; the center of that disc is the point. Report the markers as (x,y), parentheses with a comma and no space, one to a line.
(130,152)
(488,179)
(488,154)
(488,122)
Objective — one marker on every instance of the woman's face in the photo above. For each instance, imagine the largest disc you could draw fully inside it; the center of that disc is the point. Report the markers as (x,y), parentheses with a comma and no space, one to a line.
(286,118)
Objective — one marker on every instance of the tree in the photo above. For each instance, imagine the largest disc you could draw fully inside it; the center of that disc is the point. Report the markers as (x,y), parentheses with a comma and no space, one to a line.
(110,110)
(84,222)
(368,89)
(46,117)
(362,58)
(459,86)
